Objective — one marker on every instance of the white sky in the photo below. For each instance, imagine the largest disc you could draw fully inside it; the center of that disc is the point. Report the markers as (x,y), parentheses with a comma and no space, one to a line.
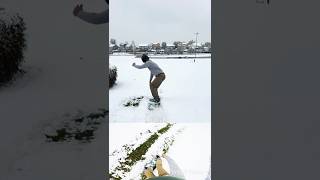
(146,21)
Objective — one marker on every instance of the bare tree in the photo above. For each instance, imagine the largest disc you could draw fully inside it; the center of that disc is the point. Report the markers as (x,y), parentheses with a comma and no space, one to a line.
(190,42)
(207,44)
(176,44)
(113,41)
(163,45)
(133,47)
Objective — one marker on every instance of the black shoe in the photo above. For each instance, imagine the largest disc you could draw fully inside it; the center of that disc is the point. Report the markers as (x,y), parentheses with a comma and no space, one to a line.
(156,100)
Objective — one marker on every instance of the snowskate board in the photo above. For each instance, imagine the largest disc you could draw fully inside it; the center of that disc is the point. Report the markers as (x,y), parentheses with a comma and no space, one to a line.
(153,104)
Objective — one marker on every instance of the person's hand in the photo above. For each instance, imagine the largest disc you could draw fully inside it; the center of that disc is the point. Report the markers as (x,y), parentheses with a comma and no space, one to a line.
(77,9)
(133,64)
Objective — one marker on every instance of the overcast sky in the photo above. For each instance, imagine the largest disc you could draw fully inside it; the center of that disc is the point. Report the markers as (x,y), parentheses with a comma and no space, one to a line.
(146,21)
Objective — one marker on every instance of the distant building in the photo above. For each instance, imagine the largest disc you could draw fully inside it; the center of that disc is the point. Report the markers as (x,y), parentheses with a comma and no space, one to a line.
(155,46)
(143,47)
(171,46)
(112,48)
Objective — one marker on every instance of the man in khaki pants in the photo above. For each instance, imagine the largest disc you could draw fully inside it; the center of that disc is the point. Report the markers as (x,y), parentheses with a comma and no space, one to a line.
(156,71)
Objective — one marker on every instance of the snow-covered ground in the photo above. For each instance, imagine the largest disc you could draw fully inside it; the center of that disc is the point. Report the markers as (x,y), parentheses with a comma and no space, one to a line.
(65,74)
(185,93)
(191,148)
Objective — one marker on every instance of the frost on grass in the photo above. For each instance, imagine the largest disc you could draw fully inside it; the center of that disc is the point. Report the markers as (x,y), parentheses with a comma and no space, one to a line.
(80,128)
(137,154)
(12,46)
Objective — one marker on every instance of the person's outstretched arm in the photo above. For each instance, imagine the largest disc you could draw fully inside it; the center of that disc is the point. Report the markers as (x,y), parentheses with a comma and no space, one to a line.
(93,18)
(140,66)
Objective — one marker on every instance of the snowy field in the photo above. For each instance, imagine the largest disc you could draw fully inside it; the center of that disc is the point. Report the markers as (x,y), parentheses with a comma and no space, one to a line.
(190,149)
(185,93)
(65,77)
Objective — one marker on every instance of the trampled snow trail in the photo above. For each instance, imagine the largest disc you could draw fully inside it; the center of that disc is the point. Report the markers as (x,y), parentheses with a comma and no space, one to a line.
(189,149)
(64,75)
(158,115)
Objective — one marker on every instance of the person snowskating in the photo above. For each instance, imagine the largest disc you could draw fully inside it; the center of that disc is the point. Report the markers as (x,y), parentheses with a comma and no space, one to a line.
(156,71)
(93,18)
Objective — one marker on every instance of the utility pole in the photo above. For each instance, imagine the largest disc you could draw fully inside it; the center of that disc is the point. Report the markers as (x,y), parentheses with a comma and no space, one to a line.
(133,47)
(195,52)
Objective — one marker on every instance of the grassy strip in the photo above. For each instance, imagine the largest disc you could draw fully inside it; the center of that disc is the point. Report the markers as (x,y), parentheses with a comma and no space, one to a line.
(136,155)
